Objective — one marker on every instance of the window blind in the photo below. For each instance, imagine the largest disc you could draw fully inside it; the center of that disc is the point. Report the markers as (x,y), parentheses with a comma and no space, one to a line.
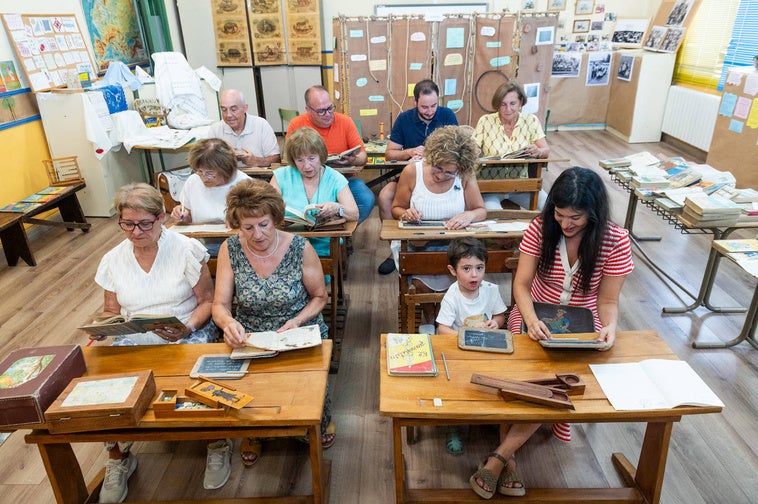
(743,45)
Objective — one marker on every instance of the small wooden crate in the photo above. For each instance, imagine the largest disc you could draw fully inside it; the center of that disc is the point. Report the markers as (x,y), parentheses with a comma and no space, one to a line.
(168,405)
(63,170)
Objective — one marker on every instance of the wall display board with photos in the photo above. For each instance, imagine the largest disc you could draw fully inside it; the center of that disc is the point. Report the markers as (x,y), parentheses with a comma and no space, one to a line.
(734,145)
(50,49)
(670,24)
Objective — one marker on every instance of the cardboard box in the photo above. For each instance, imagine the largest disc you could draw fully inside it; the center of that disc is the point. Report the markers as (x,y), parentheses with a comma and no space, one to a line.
(102,402)
(31,379)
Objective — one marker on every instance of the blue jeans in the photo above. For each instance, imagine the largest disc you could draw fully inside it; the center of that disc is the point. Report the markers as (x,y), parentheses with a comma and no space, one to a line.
(364,197)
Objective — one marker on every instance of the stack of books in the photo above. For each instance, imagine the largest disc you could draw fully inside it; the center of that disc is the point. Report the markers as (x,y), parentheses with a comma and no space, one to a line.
(711,211)
(612,164)
(685,178)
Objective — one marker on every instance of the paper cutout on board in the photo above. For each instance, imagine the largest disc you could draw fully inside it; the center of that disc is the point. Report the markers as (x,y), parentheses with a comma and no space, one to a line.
(455,104)
(377,65)
(454,38)
(356,33)
(361,82)
(734,78)
(487,31)
(728,101)
(369,112)
(494,44)
(358,57)
(450,86)
(532,91)
(378,40)
(453,59)
(336,72)
(752,119)
(410,89)
(545,36)
(500,61)
(736,126)
(742,109)
(418,37)
(376,98)
(415,66)
(751,84)
(337,94)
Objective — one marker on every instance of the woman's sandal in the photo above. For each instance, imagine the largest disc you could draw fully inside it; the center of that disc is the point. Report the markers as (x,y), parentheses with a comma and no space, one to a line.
(330,434)
(488,477)
(453,443)
(506,484)
(250,451)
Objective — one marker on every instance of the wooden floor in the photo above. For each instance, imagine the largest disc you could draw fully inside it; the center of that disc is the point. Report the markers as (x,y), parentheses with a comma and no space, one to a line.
(713,458)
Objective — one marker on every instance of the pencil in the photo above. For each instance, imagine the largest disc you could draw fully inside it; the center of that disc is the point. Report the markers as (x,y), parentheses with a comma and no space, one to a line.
(181,207)
(444,361)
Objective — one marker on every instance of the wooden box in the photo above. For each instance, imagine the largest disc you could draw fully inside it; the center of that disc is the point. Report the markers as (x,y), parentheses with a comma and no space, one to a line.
(169,405)
(63,170)
(102,402)
(31,379)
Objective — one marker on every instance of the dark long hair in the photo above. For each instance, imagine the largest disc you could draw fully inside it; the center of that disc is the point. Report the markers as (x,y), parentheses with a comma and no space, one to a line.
(583,190)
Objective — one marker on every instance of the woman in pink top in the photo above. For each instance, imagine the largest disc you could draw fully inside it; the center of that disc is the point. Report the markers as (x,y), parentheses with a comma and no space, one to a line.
(572,255)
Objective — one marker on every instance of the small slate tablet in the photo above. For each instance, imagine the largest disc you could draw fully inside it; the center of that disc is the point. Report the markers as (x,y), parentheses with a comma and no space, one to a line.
(561,342)
(219,366)
(485,340)
(424,224)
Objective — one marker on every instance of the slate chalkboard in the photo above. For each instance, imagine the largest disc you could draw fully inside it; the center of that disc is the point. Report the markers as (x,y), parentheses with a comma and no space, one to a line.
(219,366)
(485,340)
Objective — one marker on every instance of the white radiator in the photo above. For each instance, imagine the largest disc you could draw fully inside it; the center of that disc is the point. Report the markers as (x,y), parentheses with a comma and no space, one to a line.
(690,116)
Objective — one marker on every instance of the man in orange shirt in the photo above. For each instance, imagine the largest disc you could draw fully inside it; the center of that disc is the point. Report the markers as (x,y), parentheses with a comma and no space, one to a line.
(340,134)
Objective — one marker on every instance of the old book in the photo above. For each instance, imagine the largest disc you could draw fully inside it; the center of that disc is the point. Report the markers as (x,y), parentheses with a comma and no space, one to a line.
(685,178)
(410,355)
(308,219)
(645,181)
(736,245)
(342,155)
(20,207)
(653,384)
(118,324)
(291,339)
(669,205)
(745,196)
(705,205)
(614,163)
(562,319)
(693,215)
(31,379)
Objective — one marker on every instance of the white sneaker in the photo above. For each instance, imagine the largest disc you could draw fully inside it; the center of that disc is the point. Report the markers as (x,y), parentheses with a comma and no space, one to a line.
(117,473)
(218,465)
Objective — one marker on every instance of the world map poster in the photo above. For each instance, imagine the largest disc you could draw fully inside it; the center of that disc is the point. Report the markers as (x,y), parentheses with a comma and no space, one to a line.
(114,32)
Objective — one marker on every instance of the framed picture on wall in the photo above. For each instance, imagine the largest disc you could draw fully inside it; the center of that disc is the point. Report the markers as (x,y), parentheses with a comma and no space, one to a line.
(584,7)
(556,5)
(527,5)
(581,25)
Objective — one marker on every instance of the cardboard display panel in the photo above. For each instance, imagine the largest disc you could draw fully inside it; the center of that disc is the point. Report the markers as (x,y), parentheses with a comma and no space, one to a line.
(623,97)
(669,25)
(494,61)
(454,65)
(573,102)
(535,59)
(411,60)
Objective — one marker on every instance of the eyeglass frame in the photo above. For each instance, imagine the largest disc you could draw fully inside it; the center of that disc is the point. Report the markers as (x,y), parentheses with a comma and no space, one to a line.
(436,170)
(205,174)
(324,111)
(139,224)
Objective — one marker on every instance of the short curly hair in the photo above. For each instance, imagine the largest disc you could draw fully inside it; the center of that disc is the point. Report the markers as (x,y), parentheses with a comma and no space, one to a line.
(253,198)
(304,142)
(453,145)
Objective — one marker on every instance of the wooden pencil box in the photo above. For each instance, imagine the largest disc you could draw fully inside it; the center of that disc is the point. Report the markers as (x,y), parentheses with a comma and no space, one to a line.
(102,402)
(31,379)
(170,404)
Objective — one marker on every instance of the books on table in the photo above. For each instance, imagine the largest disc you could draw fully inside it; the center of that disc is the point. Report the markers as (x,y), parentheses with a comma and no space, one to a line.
(20,207)
(342,155)
(614,163)
(309,218)
(119,325)
(410,355)
(685,178)
(653,384)
(291,339)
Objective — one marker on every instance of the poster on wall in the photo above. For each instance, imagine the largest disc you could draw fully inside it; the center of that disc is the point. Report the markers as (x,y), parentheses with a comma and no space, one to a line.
(231,30)
(115,34)
(303,32)
(267,29)
(598,68)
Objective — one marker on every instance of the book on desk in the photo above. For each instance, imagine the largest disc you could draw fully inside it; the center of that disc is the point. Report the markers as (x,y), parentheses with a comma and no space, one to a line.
(119,325)
(410,355)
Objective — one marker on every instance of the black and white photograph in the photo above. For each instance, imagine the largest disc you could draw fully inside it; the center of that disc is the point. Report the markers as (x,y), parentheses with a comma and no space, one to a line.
(672,39)
(626,65)
(566,64)
(584,7)
(598,69)
(545,36)
(629,32)
(532,92)
(596,26)
(655,38)
(679,12)
(581,25)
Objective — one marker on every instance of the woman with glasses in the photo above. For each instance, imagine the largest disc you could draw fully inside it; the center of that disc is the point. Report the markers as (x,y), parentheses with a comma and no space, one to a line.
(153,271)
(441,186)
(509,130)
(203,197)
(307,181)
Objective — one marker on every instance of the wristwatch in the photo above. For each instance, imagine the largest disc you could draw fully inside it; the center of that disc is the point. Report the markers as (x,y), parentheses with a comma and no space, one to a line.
(341,211)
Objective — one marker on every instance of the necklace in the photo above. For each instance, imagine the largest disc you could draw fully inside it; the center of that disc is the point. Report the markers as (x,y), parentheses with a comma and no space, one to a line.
(276,246)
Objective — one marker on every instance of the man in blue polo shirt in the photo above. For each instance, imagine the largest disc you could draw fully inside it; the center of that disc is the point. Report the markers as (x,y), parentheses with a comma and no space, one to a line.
(407,139)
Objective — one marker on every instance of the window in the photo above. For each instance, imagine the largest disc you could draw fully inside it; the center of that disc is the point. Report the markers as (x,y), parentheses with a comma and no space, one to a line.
(744,43)
(701,56)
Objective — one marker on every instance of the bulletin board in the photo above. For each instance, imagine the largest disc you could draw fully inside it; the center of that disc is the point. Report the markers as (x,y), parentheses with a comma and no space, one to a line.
(411,60)
(537,36)
(456,50)
(623,96)
(573,102)
(50,49)
(494,61)
(734,146)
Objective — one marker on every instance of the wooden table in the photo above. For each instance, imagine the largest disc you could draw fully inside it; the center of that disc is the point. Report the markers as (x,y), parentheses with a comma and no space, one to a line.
(288,392)
(408,401)
(334,265)
(435,262)
(13,233)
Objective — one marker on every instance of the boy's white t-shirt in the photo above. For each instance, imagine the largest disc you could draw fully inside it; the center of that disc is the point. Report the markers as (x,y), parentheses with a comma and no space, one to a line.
(455,308)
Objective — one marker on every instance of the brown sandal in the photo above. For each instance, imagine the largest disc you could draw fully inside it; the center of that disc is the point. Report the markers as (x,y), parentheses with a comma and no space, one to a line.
(506,484)
(487,476)
(250,451)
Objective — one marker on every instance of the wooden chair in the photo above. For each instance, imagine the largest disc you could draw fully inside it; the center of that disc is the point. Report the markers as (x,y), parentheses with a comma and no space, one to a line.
(532,184)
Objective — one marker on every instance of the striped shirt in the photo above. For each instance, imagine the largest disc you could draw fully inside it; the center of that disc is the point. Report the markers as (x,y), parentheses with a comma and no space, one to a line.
(614,259)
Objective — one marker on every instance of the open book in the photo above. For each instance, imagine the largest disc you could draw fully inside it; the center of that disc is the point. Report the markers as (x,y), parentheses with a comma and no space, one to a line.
(653,384)
(308,218)
(291,339)
(339,157)
(118,324)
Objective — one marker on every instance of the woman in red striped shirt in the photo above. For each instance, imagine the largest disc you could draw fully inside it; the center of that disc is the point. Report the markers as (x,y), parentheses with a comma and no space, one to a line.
(572,255)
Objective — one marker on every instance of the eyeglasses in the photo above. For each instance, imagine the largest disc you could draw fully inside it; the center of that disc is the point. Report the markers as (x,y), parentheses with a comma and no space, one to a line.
(436,170)
(323,111)
(143,225)
(206,174)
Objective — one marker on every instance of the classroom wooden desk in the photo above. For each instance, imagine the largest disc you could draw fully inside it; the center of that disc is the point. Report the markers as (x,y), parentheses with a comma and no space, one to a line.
(408,401)
(333,265)
(435,262)
(288,399)
(747,333)
(490,179)
(147,151)
(13,233)
(263,172)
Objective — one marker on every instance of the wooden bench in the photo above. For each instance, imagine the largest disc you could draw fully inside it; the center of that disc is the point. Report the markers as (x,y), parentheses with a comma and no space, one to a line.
(13,233)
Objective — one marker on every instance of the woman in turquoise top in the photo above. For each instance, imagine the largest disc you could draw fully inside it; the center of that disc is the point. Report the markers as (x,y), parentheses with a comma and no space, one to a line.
(310,182)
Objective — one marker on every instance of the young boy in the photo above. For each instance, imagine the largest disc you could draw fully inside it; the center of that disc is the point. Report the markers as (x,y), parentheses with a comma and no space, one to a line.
(470,301)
